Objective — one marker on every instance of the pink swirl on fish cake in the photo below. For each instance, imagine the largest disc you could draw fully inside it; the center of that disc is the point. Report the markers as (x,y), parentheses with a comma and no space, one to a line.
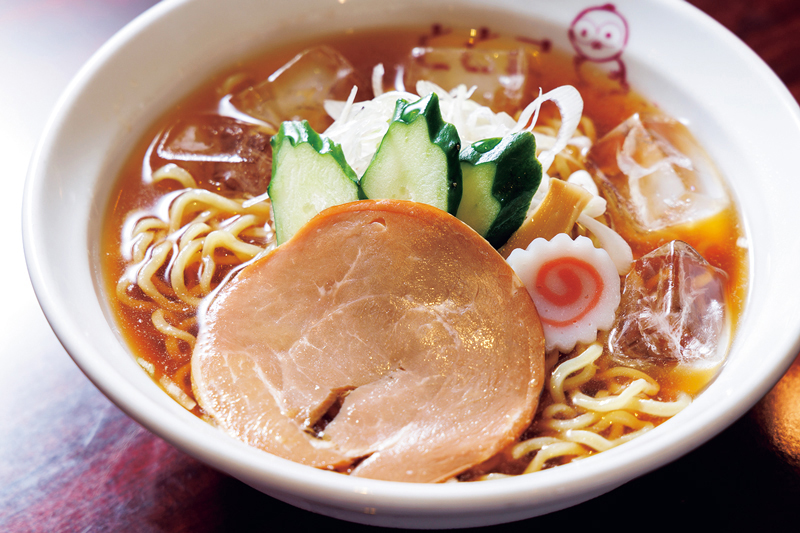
(575,287)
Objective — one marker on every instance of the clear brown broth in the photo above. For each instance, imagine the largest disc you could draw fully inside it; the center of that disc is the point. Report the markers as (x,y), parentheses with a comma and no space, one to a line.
(604,103)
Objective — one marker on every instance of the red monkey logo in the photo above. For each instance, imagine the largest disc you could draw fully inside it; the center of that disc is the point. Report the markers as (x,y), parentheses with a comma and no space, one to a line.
(599,34)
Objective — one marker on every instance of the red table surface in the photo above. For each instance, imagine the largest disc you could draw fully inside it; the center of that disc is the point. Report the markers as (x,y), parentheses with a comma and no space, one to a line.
(71,461)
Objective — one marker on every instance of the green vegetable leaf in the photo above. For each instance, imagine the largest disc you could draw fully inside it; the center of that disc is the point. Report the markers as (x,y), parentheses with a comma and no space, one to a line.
(500,177)
(418,158)
(309,174)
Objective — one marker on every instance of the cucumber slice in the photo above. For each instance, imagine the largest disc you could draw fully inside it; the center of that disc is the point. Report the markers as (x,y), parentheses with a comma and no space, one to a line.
(418,158)
(500,177)
(309,174)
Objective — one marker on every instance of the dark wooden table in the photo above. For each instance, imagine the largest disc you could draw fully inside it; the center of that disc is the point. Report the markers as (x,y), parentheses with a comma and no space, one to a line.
(72,461)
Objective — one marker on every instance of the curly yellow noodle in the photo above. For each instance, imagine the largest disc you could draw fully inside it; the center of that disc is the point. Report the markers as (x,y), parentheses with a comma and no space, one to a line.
(149,224)
(201,200)
(147,365)
(560,449)
(196,241)
(164,287)
(193,231)
(633,434)
(531,445)
(227,259)
(559,409)
(171,171)
(586,127)
(223,239)
(177,393)
(577,425)
(619,418)
(578,422)
(169,330)
(241,223)
(206,216)
(584,376)
(255,232)
(624,400)
(588,439)
(141,244)
(190,254)
(122,294)
(145,278)
(178,213)
(184,248)
(565,369)
(217,240)
(144,233)
(173,348)
(663,409)
(630,373)
(207,274)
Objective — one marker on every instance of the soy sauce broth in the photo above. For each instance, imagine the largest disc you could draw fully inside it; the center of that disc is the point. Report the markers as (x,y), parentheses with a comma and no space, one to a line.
(605,103)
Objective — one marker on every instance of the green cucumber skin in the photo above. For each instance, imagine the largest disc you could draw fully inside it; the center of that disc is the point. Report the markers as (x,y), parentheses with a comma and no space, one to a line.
(441,133)
(517,176)
(299,131)
(291,200)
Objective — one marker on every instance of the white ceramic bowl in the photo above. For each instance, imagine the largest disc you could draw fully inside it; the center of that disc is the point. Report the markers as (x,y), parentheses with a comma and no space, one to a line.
(678,57)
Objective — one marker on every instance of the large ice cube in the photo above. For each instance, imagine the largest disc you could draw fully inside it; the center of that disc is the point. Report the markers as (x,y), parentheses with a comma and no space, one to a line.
(656,173)
(500,75)
(297,90)
(221,153)
(672,311)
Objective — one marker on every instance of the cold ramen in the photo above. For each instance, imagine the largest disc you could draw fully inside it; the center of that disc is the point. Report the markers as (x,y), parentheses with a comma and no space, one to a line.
(424,257)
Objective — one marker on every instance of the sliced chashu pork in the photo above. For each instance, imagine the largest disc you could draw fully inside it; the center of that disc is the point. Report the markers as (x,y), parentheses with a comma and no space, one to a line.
(392,322)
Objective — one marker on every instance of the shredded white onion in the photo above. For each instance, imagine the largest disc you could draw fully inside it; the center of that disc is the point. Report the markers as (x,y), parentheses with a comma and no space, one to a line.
(360,129)
(473,121)
(570,105)
(611,241)
(377,79)
(584,179)
(597,205)
(618,249)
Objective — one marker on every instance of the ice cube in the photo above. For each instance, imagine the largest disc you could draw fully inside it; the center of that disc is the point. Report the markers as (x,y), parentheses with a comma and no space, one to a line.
(499,75)
(652,168)
(298,89)
(221,154)
(672,311)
